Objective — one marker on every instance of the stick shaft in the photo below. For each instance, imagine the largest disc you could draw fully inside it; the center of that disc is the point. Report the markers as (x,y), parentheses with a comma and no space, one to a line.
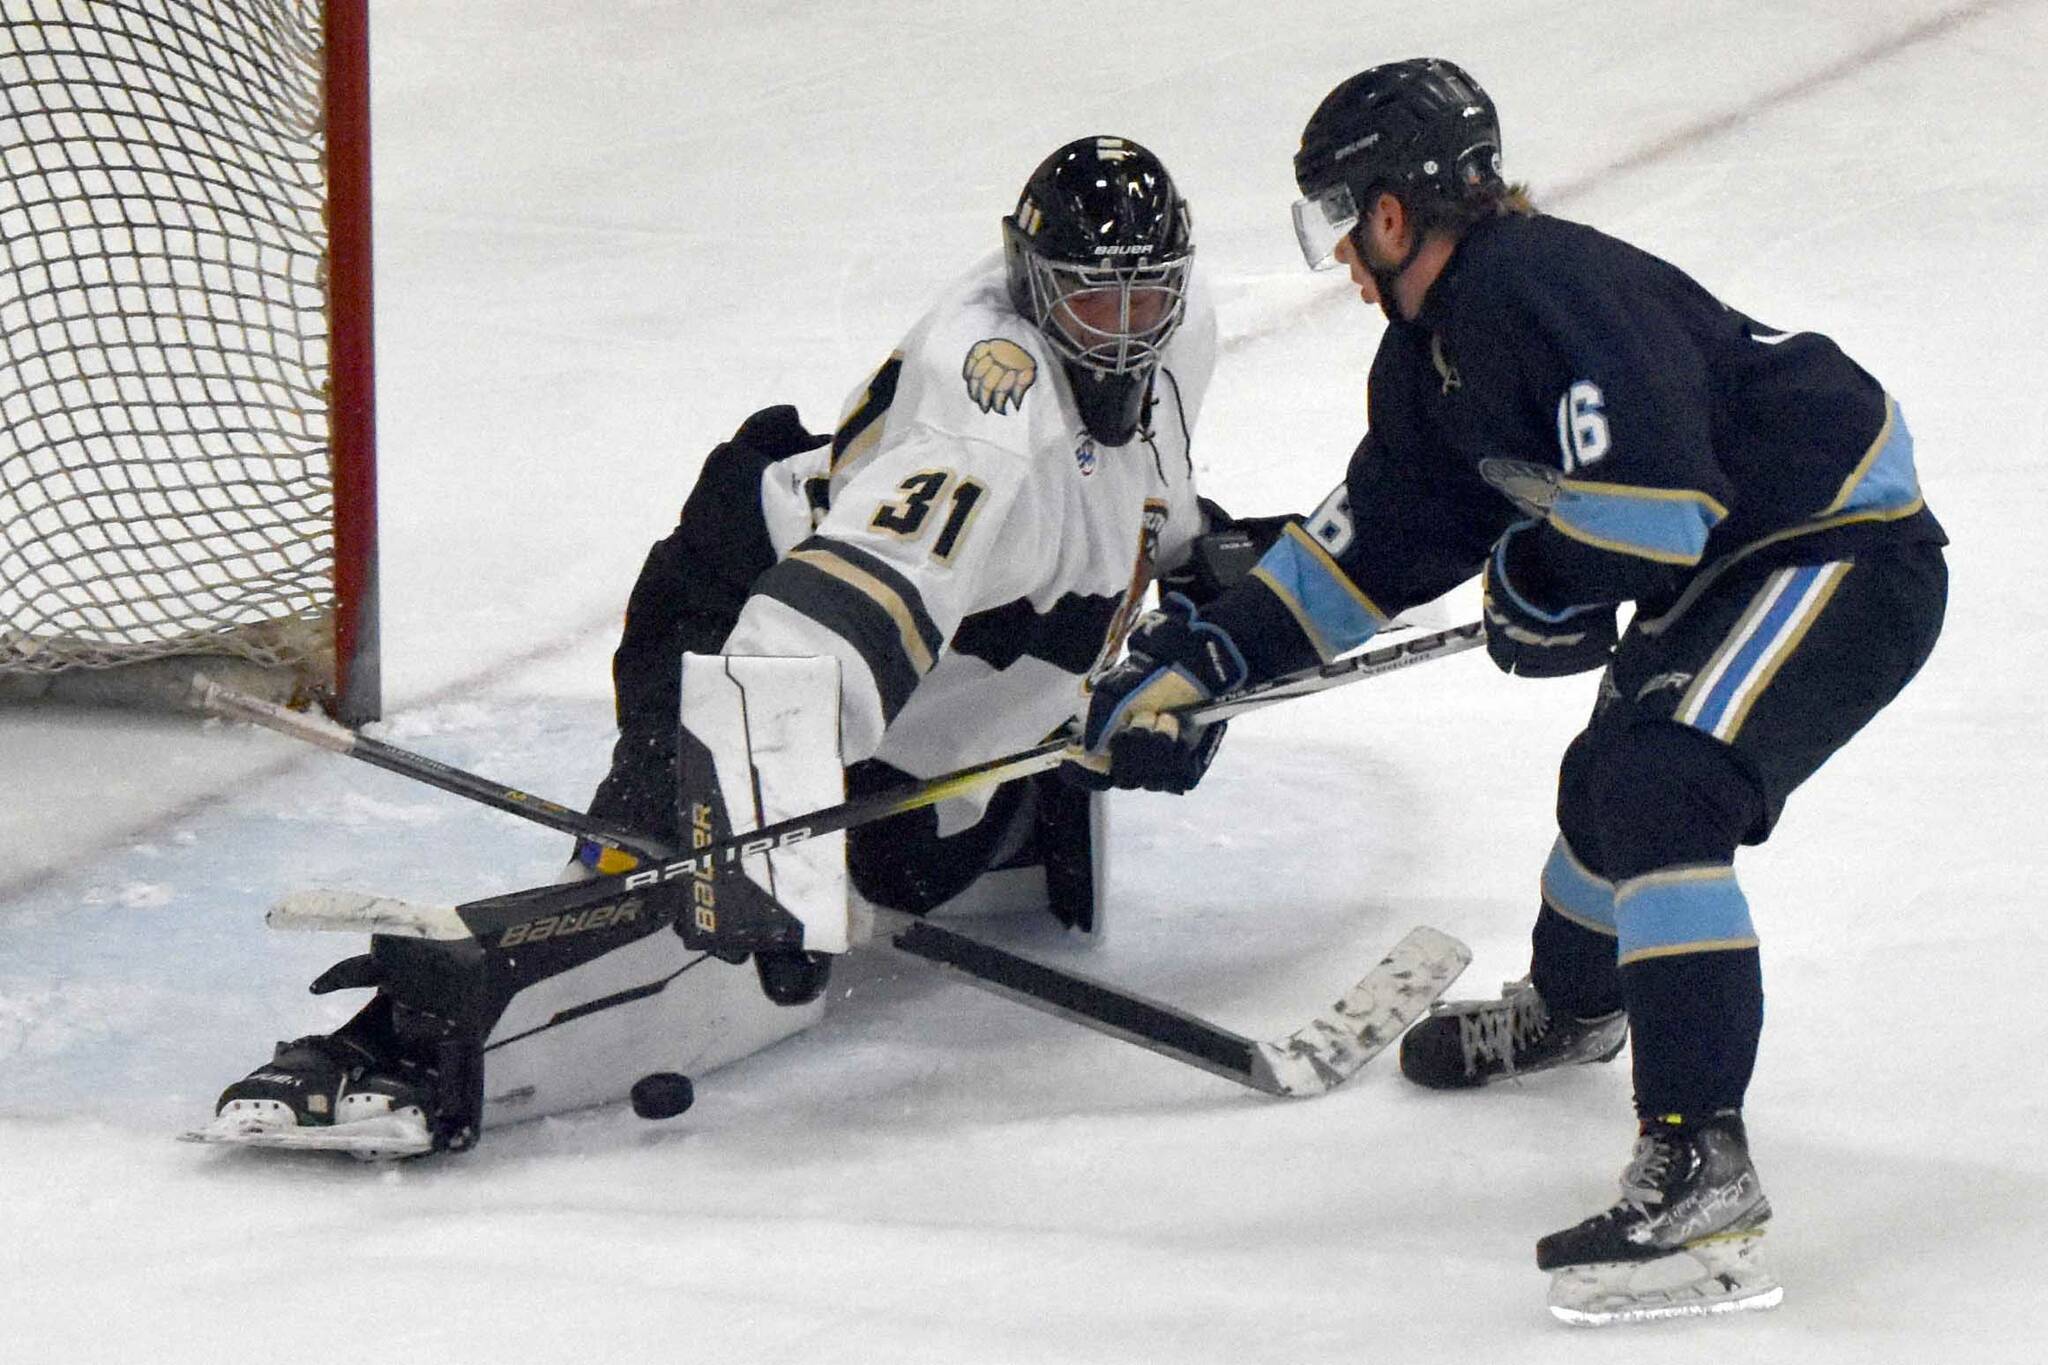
(664,865)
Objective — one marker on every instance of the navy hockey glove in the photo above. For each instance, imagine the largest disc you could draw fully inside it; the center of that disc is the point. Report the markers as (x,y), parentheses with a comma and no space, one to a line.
(1531,641)
(1177,659)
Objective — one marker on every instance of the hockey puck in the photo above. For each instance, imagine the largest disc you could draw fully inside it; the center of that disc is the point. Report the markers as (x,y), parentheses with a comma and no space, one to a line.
(662,1095)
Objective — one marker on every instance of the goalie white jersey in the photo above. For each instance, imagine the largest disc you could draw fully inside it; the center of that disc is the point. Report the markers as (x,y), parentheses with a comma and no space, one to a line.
(964,546)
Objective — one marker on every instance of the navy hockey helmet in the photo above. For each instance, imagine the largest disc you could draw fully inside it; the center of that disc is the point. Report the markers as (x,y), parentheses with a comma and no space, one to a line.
(1098,252)
(1421,129)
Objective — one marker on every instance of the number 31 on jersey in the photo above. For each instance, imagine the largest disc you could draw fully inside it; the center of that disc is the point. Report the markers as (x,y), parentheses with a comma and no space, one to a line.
(908,516)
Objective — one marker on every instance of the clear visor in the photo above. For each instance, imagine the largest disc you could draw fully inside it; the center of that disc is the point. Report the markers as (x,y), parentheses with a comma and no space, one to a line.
(1321,221)
(1113,319)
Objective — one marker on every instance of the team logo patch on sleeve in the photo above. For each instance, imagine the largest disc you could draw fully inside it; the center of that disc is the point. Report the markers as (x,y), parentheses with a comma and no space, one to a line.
(998,373)
(1530,487)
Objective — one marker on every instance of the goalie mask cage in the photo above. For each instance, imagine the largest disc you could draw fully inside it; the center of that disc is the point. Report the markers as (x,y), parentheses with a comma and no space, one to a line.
(186,411)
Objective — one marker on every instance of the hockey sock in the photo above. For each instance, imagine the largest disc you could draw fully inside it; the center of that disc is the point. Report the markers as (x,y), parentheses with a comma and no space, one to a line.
(1696,1018)
(1572,966)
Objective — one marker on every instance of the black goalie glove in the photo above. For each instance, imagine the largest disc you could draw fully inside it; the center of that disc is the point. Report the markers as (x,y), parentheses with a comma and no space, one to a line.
(1531,641)
(1130,739)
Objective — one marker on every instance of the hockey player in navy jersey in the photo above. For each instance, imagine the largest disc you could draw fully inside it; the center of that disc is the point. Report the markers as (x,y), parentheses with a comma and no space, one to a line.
(1582,425)
(926,588)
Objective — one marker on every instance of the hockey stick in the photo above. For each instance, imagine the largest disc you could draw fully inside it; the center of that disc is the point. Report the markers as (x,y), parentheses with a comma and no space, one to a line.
(1320,1055)
(555,899)
(317,730)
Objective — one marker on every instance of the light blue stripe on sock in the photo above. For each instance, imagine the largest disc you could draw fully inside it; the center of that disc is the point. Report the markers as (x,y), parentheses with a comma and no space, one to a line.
(1575,893)
(1682,910)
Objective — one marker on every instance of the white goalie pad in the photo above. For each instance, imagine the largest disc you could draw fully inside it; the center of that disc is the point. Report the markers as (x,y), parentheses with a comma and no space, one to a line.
(572,1038)
(585,1036)
(770,727)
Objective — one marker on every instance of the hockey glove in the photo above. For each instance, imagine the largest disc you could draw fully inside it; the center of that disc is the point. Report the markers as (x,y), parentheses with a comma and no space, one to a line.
(1223,555)
(1531,641)
(1129,740)
(778,432)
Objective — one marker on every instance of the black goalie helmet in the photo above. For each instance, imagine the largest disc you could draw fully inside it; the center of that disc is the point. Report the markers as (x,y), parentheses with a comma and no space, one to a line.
(1422,130)
(1098,254)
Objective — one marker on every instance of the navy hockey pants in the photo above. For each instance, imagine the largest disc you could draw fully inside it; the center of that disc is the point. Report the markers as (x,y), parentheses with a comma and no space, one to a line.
(1709,716)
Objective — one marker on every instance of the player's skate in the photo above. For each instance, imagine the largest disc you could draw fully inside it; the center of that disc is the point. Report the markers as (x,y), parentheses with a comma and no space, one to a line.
(1466,1043)
(1685,1238)
(324,1093)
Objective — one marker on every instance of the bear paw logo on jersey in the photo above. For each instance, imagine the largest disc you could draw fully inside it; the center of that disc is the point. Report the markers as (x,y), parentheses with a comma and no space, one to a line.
(1085,458)
(999,373)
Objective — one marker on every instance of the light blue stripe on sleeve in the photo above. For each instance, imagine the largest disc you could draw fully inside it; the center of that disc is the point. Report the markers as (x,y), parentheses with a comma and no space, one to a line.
(1888,480)
(1682,910)
(1335,614)
(1575,893)
(1655,523)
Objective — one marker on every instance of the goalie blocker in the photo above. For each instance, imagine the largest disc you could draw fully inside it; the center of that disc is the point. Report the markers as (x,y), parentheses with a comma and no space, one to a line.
(573,1010)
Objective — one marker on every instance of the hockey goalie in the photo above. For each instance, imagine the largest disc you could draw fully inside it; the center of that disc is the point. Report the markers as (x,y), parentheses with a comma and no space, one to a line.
(928,587)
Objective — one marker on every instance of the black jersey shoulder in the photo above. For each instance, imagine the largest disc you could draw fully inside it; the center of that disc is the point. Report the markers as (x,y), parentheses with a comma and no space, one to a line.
(1696,394)
(1547,267)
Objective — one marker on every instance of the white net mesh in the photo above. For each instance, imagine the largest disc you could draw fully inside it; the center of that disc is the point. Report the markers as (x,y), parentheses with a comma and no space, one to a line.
(164,361)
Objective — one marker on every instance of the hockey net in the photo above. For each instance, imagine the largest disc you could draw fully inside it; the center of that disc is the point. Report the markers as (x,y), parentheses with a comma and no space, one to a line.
(185,402)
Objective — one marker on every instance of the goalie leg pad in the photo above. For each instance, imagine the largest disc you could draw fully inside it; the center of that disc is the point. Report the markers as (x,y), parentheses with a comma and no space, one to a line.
(1036,844)
(538,1029)
(910,862)
(498,1031)
(585,1037)
(1072,844)
(760,743)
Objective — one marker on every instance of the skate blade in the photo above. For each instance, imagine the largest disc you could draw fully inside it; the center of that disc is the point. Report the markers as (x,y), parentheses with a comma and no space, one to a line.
(387,1137)
(1722,1275)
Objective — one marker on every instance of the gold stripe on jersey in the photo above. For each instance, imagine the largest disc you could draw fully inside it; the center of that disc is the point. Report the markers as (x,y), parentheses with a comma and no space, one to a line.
(861,429)
(1863,466)
(826,560)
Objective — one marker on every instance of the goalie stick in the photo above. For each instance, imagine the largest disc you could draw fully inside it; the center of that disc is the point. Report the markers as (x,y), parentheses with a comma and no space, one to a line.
(1309,1060)
(1320,1055)
(538,902)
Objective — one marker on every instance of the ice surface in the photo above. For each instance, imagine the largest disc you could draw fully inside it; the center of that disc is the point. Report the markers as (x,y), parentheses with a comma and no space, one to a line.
(607,231)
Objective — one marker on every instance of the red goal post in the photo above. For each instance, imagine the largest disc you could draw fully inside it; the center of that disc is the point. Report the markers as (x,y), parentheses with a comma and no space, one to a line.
(187,410)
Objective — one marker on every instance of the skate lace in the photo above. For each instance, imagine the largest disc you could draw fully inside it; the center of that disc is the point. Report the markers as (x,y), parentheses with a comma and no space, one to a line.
(1499,1032)
(1642,1184)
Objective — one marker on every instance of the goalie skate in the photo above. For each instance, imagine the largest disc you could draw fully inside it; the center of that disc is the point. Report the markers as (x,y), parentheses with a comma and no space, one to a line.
(322,1094)
(387,1137)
